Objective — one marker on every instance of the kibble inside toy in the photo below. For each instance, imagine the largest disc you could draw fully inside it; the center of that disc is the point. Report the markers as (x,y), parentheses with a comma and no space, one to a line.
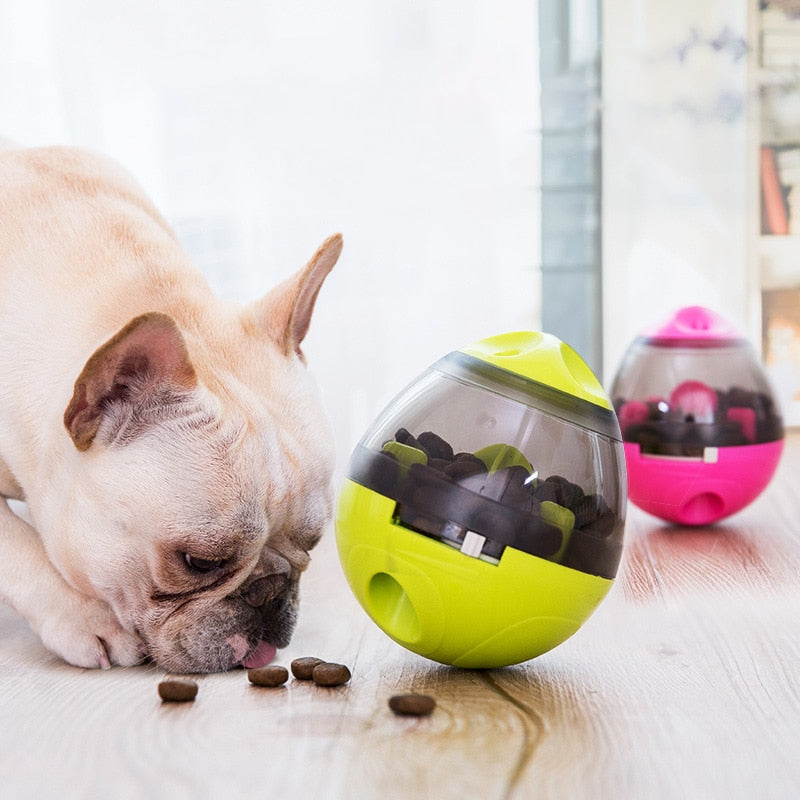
(481,522)
(701,428)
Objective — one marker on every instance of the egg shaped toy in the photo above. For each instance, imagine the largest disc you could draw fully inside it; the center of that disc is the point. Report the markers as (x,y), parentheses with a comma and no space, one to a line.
(482,518)
(701,429)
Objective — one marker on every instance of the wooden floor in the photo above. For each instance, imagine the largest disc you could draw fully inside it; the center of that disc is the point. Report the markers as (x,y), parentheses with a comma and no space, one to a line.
(684,684)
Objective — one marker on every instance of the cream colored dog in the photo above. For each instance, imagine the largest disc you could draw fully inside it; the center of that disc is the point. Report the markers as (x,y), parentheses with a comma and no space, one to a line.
(171,449)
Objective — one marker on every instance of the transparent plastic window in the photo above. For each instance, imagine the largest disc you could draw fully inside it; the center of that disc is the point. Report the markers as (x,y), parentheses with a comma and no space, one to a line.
(483,472)
(677,401)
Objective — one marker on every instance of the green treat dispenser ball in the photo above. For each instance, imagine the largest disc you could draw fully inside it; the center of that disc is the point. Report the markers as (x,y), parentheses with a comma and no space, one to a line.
(481,521)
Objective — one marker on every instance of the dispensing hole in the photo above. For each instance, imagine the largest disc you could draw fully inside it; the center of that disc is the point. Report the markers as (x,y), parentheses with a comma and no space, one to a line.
(702,509)
(392,608)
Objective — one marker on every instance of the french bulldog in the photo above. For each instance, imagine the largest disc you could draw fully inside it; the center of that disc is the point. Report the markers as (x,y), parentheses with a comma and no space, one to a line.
(171,448)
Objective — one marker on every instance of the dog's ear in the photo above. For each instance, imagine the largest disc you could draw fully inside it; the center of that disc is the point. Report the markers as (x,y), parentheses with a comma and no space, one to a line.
(285,312)
(145,360)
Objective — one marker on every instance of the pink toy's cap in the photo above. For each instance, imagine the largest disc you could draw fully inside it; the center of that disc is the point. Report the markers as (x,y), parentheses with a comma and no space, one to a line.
(693,324)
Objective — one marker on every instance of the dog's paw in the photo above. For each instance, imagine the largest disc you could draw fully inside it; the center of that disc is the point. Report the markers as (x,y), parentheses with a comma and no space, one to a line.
(86,633)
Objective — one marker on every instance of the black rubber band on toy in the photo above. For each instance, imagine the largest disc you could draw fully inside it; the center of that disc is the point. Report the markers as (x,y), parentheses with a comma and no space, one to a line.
(678,438)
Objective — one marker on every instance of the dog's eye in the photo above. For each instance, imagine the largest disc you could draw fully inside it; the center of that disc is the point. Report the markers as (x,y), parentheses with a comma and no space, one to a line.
(201,564)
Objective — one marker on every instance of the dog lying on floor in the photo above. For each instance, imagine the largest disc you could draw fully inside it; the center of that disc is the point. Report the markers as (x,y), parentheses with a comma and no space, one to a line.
(171,449)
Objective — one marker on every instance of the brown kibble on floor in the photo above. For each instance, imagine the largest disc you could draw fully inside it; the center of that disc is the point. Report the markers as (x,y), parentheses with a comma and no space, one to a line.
(303,667)
(271,676)
(412,705)
(327,674)
(177,690)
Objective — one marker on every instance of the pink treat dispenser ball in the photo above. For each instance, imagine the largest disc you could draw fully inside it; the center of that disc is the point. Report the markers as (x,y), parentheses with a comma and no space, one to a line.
(700,425)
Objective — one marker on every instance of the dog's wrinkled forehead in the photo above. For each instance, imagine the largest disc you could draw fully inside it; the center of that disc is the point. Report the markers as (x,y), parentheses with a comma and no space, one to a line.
(193,467)
(245,521)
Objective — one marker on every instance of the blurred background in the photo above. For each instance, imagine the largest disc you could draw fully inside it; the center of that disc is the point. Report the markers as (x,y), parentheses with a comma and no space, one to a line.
(579,166)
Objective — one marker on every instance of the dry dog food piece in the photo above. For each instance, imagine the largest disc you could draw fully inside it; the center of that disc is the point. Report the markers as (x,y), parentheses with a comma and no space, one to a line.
(435,446)
(177,690)
(303,667)
(412,705)
(271,675)
(327,674)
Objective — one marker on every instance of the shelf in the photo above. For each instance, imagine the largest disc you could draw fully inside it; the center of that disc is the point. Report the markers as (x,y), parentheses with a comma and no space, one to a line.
(779,261)
(788,242)
(775,132)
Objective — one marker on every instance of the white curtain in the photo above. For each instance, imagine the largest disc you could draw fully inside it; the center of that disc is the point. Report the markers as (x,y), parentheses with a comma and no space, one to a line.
(260,127)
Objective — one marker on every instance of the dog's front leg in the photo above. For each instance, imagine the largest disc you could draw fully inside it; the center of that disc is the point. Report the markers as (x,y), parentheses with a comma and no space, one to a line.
(82,630)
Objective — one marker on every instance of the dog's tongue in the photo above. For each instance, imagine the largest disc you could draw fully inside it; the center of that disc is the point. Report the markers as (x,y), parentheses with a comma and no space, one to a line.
(259,656)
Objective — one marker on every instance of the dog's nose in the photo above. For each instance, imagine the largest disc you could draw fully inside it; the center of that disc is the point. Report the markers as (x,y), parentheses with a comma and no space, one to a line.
(263,589)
